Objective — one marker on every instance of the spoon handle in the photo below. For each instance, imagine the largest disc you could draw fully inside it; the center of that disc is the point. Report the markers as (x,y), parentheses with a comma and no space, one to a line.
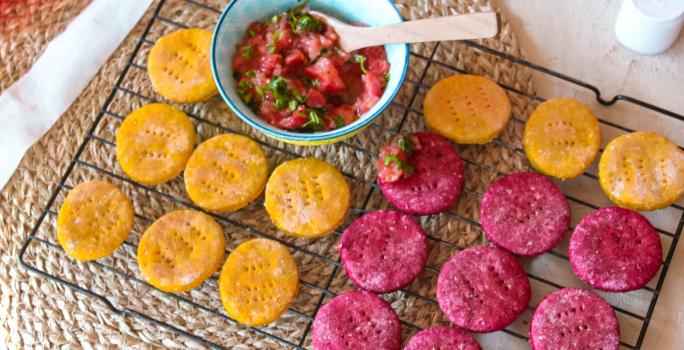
(460,27)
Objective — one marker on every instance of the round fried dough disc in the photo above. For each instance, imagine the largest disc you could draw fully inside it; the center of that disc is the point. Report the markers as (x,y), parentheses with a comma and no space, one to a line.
(94,220)
(180,250)
(258,282)
(642,171)
(226,172)
(179,66)
(307,198)
(562,137)
(468,109)
(154,143)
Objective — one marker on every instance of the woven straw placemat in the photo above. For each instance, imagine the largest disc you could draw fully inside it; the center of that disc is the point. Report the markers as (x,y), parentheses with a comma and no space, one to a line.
(37,312)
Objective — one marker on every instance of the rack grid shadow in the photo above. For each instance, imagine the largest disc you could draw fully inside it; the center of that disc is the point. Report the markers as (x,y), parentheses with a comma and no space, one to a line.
(199,316)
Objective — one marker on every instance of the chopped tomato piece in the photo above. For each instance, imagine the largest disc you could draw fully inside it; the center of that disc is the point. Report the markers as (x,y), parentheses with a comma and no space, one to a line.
(393,161)
(295,59)
(294,122)
(372,90)
(311,44)
(379,67)
(329,80)
(271,63)
(329,123)
(315,99)
(389,164)
(346,113)
(281,39)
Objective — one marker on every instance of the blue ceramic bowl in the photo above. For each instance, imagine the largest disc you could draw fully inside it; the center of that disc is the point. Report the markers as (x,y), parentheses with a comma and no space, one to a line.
(239,14)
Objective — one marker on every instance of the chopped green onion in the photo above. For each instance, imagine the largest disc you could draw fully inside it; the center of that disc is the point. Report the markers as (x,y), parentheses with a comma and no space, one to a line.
(278,83)
(247,97)
(273,20)
(314,83)
(293,105)
(387,77)
(392,158)
(279,103)
(361,59)
(315,121)
(292,21)
(307,22)
(298,8)
(244,85)
(304,22)
(282,93)
(276,35)
(271,48)
(260,91)
(405,143)
(250,73)
(339,122)
(402,144)
(298,97)
(251,32)
(292,16)
(247,52)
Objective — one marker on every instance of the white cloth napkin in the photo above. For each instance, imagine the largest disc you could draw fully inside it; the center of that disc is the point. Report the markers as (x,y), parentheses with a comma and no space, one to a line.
(30,106)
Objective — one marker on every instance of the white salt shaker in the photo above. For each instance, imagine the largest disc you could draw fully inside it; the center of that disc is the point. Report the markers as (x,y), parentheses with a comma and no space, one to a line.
(649,26)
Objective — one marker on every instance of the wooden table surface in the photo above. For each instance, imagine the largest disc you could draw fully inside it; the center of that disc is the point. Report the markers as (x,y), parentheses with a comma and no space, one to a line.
(576,37)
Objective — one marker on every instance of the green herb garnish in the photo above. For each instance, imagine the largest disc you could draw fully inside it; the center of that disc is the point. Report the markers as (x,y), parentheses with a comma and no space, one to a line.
(308,22)
(279,103)
(251,32)
(247,97)
(299,20)
(314,83)
(405,144)
(250,74)
(292,105)
(315,121)
(298,97)
(295,14)
(244,85)
(247,52)
(260,91)
(271,48)
(361,59)
(339,122)
(273,20)
(276,35)
(387,77)
(392,158)
(278,84)
(279,90)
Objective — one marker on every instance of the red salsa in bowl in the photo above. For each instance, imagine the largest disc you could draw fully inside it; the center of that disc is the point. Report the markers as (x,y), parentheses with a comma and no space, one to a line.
(291,72)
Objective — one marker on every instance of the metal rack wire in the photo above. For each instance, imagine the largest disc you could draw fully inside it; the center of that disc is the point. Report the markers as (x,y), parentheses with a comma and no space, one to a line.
(322,290)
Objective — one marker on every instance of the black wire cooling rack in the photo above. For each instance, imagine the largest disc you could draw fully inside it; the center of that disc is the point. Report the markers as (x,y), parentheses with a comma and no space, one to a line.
(636,319)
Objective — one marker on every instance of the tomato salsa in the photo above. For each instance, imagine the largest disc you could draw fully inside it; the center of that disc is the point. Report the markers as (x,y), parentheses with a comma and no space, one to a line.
(393,162)
(291,72)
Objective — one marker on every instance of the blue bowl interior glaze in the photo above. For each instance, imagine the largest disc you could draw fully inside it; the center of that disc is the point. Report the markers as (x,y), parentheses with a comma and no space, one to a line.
(231,27)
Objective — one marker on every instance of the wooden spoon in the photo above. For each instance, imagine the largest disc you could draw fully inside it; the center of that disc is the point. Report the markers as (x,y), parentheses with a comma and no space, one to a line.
(460,27)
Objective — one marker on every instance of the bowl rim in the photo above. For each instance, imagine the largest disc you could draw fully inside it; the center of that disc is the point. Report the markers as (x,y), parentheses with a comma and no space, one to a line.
(288,135)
